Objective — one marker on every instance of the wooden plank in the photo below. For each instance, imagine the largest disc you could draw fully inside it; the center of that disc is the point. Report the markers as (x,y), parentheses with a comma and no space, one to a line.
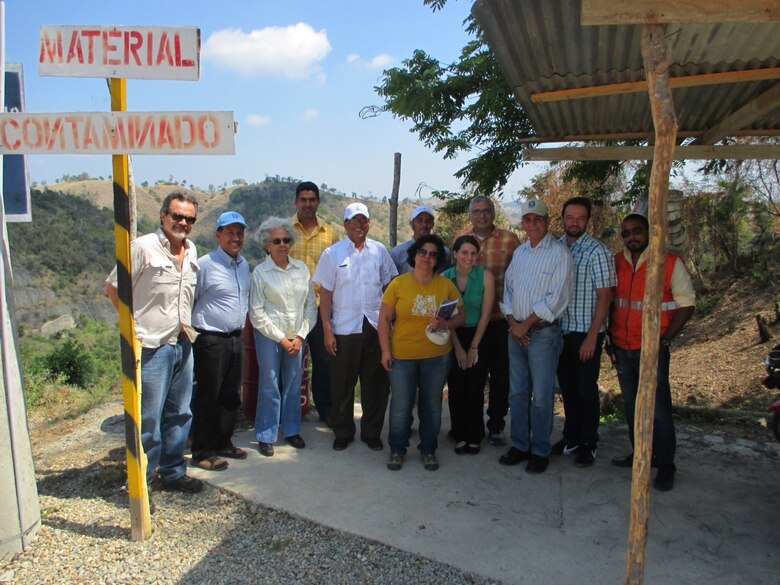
(127,52)
(746,115)
(635,136)
(601,12)
(202,133)
(730,152)
(704,79)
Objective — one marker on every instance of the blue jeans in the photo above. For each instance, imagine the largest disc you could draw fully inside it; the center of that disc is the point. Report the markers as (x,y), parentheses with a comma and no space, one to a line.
(532,370)
(166,389)
(406,378)
(664,438)
(279,390)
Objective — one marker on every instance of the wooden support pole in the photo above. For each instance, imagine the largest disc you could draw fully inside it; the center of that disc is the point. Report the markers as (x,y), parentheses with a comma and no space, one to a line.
(394,200)
(655,54)
(140,518)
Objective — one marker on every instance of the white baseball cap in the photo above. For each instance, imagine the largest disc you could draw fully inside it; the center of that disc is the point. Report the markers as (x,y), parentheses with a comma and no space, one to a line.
(354,209)
(423,209)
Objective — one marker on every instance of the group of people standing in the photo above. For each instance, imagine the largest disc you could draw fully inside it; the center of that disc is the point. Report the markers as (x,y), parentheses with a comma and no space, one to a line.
(402,323)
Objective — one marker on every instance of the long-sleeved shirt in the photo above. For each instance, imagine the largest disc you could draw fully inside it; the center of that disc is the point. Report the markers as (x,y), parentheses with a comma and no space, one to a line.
(222,293)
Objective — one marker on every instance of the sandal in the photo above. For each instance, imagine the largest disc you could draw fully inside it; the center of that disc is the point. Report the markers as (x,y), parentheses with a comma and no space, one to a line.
(231,452)
(212,463)
(472,449)
(461,448)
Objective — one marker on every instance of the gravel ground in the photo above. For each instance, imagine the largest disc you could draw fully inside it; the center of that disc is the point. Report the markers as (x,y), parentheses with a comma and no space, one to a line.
(210,537)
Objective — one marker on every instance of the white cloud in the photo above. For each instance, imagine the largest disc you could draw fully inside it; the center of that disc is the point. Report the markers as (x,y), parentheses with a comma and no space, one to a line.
(379,62)
(353,57)
(294,51)
(310,115)
(258,120)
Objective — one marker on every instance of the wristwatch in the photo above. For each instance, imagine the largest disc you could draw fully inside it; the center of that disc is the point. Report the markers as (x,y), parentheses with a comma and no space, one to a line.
(666,342)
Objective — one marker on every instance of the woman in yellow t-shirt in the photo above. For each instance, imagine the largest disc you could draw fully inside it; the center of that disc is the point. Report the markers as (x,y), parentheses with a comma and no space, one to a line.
(417,353)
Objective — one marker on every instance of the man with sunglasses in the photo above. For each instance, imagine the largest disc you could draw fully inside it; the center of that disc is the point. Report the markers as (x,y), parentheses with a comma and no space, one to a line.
(164,272)
(677,306)
(222,302)
(352,275)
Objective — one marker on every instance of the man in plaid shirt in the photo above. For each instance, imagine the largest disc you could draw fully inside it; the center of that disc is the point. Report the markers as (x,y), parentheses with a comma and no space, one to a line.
(313,237)
(495,254)
(583,324)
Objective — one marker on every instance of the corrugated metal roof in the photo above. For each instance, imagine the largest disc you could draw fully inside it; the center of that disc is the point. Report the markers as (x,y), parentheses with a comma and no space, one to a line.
(542,47)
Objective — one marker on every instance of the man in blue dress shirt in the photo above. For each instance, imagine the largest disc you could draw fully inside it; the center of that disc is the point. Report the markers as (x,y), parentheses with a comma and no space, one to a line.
(219,316)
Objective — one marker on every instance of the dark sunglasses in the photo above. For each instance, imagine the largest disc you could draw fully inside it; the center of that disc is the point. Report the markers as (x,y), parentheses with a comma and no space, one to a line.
(632,232)
(177,217)
(278,241)
(430,253)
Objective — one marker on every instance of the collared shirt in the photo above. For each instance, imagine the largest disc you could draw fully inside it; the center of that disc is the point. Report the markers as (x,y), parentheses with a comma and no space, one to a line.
(281,301)
(683,292)
(222,293)
(495,254)
(163,291)
(400,256)
(309,247)
(594,268)
(539,280)
(356,278)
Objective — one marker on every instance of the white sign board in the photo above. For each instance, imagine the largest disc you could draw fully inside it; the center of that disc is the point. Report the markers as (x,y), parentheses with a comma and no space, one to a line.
(124,52)
(118,133)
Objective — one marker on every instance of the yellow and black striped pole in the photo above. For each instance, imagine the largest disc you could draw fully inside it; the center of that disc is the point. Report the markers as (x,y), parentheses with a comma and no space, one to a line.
(140,519)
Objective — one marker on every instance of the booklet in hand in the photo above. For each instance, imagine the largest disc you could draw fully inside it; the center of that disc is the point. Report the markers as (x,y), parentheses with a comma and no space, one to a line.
(447,309)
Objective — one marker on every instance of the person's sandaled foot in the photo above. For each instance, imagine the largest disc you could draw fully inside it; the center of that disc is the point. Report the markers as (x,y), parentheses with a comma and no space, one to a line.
(212,463)
(231,452)
(461,447)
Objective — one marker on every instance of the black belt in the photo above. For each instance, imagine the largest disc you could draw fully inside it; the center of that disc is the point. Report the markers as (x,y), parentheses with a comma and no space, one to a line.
(236,333)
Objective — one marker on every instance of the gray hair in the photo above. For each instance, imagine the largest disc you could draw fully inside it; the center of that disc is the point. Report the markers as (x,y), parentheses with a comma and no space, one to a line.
(482,199)
(177,196)
(263,234)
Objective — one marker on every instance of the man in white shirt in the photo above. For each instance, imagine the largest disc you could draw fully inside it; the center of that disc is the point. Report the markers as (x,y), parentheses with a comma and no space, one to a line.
(352,275)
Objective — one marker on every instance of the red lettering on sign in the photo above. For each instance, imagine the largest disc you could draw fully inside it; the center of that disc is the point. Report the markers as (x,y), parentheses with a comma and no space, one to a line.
(164,51)
(74,51)
(32,133)
(55,132)
(51,49)
(133,41)
(109,47)
(4,133)
(91,35)
(207,127)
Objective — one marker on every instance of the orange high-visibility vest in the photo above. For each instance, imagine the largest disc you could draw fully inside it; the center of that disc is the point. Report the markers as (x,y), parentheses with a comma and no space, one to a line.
(626,329)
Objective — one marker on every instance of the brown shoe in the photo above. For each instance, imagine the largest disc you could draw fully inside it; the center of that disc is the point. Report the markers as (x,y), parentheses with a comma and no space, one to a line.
(212,463)
(231,452)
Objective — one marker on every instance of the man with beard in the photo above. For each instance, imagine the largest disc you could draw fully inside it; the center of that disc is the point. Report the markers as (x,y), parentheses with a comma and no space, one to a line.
(164,271)
(583,325)
(677,306)
(422,221)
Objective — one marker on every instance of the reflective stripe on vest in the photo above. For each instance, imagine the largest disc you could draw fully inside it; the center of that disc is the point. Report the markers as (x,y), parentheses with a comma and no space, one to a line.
(637,305)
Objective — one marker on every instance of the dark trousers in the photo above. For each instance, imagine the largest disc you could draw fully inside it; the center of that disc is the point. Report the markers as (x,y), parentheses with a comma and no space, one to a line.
(358,356)
(320,369)
(466,391)
(664,437)
(494,350)
(580,390)
(218,368)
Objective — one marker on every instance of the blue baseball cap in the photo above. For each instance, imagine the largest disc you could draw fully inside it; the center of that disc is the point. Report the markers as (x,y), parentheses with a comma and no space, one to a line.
(229,218)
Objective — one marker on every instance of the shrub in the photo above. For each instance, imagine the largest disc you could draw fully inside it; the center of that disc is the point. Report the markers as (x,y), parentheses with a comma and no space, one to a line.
(72,362)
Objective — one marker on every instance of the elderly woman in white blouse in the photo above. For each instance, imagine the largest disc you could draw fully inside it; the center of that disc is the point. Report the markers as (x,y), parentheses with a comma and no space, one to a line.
(283,309)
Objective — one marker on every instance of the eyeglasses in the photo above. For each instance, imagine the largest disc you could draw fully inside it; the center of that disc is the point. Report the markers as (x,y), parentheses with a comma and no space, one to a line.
(639,230)
(432,254)
(277,241)
(177,217)
(487,211)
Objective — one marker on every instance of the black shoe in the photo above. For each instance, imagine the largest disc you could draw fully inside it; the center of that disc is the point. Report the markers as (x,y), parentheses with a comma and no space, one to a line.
(514,456)
(296,441)
(341,443)
(586,456)
(472,449)
(563,448)
(537,464)
(626,461)
(186,484)
(664,479)
(374,443)
(461,448)
(265,449)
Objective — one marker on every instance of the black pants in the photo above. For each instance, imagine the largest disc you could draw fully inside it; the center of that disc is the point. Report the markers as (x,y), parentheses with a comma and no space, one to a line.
(495,350)
(579,382)
(320,369)
(466,390)
(218,368)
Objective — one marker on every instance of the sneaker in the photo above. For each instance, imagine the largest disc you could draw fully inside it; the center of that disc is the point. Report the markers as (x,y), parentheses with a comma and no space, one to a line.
(586,456)
(664,479)
(430,462)
(563,448)
(395,461)
(186,484)
(497,438)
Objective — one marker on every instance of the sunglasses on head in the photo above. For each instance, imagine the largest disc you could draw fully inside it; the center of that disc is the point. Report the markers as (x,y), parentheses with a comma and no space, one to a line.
(433,254)
(278,241)
(177,217)
(632,232)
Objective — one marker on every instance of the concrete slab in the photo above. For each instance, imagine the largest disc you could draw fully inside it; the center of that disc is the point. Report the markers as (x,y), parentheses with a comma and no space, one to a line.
(568,525)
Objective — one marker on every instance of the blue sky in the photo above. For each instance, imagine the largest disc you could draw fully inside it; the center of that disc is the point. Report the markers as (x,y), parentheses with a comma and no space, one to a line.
(296,73)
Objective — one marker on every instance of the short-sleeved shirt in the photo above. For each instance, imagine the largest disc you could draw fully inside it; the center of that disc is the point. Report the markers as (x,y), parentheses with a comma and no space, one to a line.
(163,291)
(414,303)
(473,295)
(594,268)
(222,293)
(356,278)
(309,247)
